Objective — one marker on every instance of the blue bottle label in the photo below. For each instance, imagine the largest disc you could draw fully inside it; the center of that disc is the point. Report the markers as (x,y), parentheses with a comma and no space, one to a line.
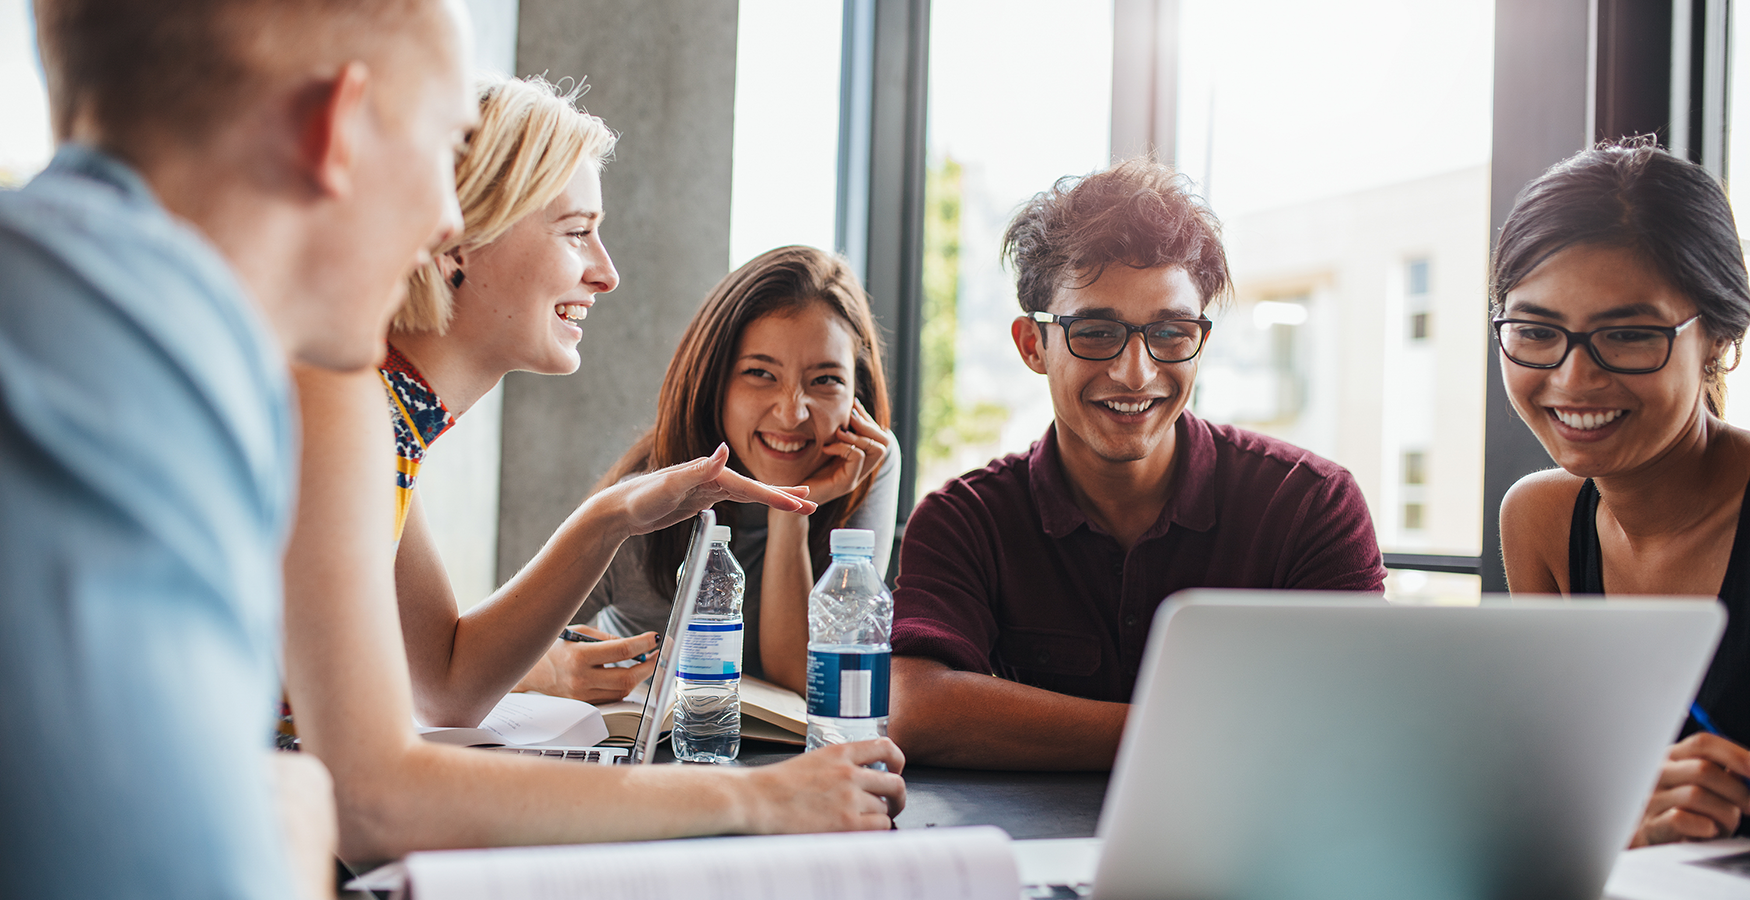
(711,651)
(847,685)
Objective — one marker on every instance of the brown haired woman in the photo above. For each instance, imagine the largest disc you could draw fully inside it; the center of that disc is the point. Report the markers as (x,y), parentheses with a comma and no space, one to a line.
(782,363)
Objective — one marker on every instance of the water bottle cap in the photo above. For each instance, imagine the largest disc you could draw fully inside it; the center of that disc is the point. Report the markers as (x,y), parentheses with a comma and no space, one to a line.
(852,542)
(718,533)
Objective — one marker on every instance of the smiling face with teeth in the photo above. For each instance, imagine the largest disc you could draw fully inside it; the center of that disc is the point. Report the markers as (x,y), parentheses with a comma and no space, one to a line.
(1117,414)
(525,294)
(790,388)
(1592,421)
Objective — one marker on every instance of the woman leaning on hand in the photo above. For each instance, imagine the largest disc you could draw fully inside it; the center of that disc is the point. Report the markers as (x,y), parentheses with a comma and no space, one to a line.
(781,363)
(1620,301)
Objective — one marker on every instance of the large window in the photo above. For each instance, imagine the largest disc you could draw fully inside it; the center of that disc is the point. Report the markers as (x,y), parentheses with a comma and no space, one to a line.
(784,183)
(24,110)
(1346,149)
(1019,96)
(1738,181)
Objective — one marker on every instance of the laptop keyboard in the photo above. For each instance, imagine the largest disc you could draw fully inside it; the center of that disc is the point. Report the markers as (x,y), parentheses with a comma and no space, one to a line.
(604,755)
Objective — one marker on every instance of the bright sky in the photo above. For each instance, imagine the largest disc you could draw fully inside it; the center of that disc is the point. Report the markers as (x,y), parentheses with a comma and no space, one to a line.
(784,181)
(25,145)
(1023,88)
(1315,99)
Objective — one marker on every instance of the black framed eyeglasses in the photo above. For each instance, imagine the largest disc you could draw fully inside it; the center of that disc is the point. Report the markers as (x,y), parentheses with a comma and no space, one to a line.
(1625,349)
(1097,339)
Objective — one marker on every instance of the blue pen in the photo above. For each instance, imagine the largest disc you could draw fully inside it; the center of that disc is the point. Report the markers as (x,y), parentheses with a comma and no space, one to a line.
(1701,718)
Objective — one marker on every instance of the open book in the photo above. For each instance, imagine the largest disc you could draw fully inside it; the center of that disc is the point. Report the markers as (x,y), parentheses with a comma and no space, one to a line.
(529,720)
(768,713)
(933,864)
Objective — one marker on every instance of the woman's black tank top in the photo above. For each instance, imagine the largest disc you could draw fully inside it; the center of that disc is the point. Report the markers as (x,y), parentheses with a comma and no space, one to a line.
(1725,692)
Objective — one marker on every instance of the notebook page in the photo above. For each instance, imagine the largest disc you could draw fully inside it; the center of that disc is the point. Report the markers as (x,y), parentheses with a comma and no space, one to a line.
(932,864)
(531,718)
(785,708)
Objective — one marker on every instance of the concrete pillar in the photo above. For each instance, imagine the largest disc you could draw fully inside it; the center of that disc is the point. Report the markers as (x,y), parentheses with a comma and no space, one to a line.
(459,482)
(662,74)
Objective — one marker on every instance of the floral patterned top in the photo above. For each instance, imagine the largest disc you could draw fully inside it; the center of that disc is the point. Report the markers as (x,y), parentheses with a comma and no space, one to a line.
(420,417)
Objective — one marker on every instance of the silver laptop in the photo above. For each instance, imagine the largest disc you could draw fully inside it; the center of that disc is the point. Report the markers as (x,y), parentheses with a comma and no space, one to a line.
(686,596)
(1294,745)
(660,690)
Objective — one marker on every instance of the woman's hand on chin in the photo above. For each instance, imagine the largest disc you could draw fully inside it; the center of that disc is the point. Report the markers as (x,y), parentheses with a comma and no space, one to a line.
(860,448)
(658,499)
(1701,794)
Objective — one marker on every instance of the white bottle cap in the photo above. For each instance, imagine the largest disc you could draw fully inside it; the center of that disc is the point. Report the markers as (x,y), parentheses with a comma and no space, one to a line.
(852,542)
(718,533)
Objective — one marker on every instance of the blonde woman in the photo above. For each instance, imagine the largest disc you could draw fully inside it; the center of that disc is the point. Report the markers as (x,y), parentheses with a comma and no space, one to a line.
(506,295)
(509,294)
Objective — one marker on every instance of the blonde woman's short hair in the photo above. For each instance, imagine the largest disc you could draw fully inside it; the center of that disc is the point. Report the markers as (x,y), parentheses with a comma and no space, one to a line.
(526,149)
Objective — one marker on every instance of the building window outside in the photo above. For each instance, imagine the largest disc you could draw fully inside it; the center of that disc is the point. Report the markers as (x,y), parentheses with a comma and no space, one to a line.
(1256,374)
(1416,278)
(1416,299)
(1415,467)
(1414,471)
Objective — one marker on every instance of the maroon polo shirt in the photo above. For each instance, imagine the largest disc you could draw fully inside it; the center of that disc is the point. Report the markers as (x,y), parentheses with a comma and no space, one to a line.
(1000,572)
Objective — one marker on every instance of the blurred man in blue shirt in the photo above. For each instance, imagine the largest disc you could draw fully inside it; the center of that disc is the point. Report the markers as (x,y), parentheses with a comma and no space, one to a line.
(240,183)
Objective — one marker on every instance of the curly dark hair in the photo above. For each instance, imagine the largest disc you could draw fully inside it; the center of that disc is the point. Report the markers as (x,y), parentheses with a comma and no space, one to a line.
(1138,213)
(1633,195)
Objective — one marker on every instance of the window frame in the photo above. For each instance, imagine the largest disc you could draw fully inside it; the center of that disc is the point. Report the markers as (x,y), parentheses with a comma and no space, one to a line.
(1567,73)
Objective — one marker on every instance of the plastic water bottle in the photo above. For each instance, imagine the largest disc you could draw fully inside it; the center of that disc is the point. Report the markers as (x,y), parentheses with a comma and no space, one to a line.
(707,714)
(850,618)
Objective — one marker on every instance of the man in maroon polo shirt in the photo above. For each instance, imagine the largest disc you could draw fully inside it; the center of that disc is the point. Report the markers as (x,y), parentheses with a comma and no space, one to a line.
(1026,588)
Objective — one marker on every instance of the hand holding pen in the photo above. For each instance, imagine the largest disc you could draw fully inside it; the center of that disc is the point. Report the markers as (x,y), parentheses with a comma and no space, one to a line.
(1703,790)
(578,637)
(594,669)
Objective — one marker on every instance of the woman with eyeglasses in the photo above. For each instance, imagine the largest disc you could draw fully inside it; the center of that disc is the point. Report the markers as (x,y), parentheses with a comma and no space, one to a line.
(782,363)
(1620,301)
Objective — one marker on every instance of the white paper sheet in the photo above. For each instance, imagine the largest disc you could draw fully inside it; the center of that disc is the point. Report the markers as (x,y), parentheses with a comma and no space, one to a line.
(929,864)
(529,720)
(1670,872)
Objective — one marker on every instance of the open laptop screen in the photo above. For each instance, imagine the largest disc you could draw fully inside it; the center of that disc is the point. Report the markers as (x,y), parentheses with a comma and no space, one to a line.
(1307,745)
(686,595)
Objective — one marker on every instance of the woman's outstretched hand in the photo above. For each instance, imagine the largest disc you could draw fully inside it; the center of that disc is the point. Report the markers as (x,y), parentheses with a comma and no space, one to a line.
(861,446)
(1701,794)
(656,500)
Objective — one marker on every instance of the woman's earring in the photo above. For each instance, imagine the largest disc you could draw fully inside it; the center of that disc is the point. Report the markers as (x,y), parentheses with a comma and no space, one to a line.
(457,279)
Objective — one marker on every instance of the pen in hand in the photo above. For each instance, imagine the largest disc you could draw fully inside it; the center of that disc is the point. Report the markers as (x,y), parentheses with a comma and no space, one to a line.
(567,634)
(1707,724)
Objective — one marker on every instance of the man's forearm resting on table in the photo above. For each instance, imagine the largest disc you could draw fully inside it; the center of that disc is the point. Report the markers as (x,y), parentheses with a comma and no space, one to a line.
(944,717)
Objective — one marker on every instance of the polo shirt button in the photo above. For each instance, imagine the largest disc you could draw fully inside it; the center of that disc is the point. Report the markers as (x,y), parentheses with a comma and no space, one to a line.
(1043,656)
(1129,621)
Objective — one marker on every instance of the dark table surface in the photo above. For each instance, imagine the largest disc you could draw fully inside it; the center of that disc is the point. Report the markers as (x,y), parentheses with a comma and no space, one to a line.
(1025,804)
